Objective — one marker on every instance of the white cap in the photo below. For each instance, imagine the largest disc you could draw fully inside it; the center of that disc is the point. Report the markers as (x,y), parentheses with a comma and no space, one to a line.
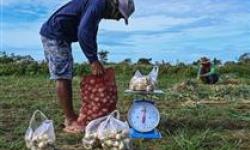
(126,8)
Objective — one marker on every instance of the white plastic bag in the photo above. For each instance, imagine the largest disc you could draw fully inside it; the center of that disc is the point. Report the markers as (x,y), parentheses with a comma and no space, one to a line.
(40,134)
(141,82)
(90,139)
(114,133)
(107,132)
(153,75)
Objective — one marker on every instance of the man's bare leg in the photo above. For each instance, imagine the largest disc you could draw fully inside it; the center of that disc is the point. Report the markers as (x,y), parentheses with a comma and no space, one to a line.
(64,93)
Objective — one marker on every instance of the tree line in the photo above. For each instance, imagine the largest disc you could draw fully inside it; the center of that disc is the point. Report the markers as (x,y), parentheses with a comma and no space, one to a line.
(11,64)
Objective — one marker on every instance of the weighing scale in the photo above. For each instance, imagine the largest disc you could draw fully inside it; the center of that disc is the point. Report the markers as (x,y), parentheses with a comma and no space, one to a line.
(143,116)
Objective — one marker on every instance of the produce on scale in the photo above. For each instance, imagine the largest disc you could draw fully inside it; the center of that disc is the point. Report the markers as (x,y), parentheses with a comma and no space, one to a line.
(141,82)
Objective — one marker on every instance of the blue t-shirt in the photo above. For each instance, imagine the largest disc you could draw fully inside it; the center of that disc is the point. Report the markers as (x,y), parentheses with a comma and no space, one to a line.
(77,20)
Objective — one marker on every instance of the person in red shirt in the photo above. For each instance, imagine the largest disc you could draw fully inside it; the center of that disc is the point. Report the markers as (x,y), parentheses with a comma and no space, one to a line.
(207,71)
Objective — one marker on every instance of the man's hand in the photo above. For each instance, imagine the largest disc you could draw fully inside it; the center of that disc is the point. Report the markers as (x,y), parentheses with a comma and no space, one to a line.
(97,68)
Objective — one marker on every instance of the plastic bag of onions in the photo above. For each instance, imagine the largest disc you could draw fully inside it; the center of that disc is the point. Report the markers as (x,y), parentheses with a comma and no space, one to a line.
(113,133)
(98,96)
(40,134)
(90,140)
(141,82)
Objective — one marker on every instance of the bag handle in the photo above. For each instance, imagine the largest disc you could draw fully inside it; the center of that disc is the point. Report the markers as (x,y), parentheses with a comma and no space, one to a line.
(44,117)
(115,114)
(155,69)
(154,73)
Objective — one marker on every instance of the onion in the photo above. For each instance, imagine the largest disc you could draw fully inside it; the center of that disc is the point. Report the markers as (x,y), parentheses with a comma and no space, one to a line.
(87,122)
(82,116)
(89,88)
(85,92)
(92,81)
(126,141)
(121,146)
(125,133)
(96,99)
(87,136)
(104,100)
(95,108)
(50,141)
(112,135)
(89,112)
(116,144)
(118,136)
(42,144)
(149,88)
(100,90)
(92,96)
(94,90)
(33,147)
(102,95)
(28,144)
(108,142)
(89,118)
(88,146)
(104,110)
(45,137)
(98,105)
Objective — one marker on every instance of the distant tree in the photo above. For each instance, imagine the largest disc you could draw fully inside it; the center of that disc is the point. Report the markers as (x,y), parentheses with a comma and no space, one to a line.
(228,63)
(245,58)
(144,61)
(217,61)
(157,63)
(103,55)
(181,64)
(126,61)
(195,63)
(4,58)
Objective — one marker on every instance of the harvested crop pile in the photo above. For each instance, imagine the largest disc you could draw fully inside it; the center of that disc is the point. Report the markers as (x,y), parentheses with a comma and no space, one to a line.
(192,89)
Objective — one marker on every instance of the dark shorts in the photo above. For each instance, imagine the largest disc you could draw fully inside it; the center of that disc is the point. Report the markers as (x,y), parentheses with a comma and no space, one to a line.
(211,79)
(58,54)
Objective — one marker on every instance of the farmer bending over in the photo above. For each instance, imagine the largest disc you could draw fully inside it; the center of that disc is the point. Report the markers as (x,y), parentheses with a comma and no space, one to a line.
(77,20)
(207,72)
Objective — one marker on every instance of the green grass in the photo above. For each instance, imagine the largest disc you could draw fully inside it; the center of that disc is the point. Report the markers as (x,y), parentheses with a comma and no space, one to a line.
(218,117)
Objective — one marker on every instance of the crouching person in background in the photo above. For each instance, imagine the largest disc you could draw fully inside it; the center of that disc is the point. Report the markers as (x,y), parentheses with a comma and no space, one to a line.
(207,71)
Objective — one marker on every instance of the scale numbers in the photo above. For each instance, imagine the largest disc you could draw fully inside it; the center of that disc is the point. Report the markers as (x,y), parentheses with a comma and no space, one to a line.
(143,116)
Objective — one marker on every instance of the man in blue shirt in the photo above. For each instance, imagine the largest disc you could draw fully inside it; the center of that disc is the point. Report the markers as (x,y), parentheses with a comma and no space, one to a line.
(77,20)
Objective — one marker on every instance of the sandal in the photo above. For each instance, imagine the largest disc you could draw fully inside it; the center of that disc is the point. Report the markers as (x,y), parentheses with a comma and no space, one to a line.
(68,122)
(74,128)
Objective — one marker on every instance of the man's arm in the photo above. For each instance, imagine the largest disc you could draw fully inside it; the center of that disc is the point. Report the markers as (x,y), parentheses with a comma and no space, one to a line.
(199,73)
(87,33)
(88,29)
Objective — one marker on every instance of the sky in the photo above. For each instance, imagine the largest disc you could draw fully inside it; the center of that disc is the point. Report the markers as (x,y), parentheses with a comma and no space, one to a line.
(169,30)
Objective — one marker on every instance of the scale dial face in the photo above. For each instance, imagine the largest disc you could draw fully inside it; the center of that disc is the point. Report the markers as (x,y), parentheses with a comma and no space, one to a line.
(143,116)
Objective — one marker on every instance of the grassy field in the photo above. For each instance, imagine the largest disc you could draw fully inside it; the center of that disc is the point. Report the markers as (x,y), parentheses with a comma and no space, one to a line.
(193,116)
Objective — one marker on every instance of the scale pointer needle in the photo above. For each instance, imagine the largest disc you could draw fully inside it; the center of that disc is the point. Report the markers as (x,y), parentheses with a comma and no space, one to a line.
(144,111)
